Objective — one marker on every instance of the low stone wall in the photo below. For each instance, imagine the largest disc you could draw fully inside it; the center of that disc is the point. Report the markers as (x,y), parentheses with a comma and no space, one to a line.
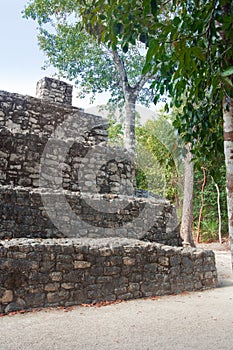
(41,273)
(26,114)
(22,214)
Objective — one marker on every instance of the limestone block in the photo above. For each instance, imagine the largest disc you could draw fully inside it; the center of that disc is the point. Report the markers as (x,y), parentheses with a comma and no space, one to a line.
(81,264)
(7,296)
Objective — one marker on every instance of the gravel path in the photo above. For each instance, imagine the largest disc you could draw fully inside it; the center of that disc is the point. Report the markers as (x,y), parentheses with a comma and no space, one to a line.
(198,320)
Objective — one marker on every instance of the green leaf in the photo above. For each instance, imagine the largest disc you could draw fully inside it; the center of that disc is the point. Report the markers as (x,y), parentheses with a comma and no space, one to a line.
(125,48)
(227,72)
(198,52)
(176,21)
(102,16)
(143,38)
(146,7)
(153,48)
(117,28)
(146,68)
(228,81)
(154,7)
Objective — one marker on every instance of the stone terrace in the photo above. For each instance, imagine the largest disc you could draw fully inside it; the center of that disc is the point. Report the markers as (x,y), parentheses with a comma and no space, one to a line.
(69,272)
(134,251)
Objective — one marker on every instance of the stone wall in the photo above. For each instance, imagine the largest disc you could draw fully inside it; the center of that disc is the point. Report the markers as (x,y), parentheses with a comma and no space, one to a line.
(42,203)
(26,114)
(26,124)
(20,157)
(24,215)
(54,91)
(41,273)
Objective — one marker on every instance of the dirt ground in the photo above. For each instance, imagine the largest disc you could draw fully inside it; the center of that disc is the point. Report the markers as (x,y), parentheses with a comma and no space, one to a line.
(196,320)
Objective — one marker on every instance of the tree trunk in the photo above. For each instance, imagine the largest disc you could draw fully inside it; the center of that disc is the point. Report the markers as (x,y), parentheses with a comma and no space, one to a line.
(219,214)
(130,93)
(187,214)
(202,205)
(228,150)
(129,129)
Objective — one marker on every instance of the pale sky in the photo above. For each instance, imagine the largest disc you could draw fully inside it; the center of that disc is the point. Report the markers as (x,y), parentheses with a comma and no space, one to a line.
(20,57)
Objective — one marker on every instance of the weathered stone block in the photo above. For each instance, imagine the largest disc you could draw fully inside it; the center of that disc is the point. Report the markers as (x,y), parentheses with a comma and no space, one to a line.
(114,270)
(52,287)
(67,285)
(56,276)
(128,261)
(81,264)
(7,296)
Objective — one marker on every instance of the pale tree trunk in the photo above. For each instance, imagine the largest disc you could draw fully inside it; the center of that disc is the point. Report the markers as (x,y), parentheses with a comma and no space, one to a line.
(130,96)
(219,214)
(228,150)
(202,206)
(129,127)
(187,214)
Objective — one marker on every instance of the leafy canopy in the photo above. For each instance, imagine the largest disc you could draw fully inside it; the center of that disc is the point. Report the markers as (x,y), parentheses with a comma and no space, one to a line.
(78,55)
(189,48)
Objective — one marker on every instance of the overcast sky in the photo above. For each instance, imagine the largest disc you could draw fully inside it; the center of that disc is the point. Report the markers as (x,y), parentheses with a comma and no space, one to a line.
(20,57)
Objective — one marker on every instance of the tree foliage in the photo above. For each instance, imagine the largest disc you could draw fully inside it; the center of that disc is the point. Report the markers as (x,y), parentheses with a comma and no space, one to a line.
(78,57)
(189,50)
(157,171)
(79,54)
(159,154)
(209,222)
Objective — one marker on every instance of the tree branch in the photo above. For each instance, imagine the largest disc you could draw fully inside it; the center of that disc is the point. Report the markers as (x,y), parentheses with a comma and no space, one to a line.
(121,69)
(137,87)
(164,4)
